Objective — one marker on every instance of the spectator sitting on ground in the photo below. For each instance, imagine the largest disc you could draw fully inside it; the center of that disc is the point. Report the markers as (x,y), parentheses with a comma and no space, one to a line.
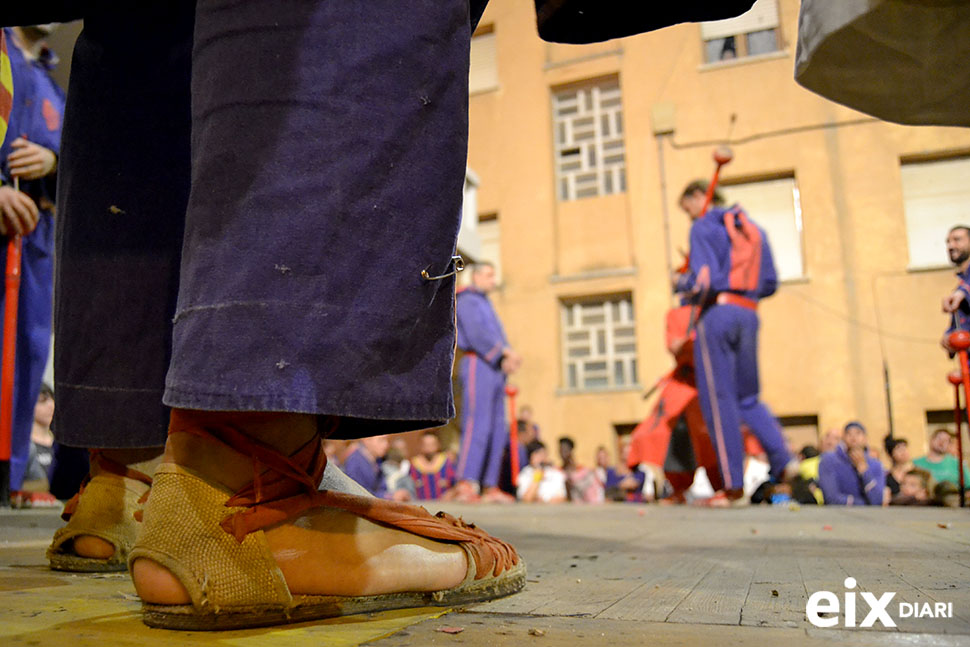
(602,464)
(849,475)
(622,483)
(829,441)
(36,487)
(432,471)
(396,472)
(362,463)
(528,429)
(914,488)
(539,481)
(940,463)
(808,468)
(946,494)
(581,482)
(898,451)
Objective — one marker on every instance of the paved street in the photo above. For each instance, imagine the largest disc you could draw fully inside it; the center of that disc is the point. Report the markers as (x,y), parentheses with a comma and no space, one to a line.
(610,575)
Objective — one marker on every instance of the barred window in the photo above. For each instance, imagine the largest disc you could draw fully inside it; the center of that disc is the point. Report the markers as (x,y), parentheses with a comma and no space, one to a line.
(599,343)
(589,148)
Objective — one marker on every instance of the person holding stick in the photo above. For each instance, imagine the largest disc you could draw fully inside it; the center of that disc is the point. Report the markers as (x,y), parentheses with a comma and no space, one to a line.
(487,361)
(730,270)
(957,303)
(28,171)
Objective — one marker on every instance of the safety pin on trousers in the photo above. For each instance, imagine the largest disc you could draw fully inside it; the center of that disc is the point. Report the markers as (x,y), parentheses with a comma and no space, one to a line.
(456,264)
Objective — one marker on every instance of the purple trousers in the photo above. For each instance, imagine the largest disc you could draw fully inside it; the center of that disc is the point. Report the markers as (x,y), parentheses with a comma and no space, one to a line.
(726,366)
(484,434)
(249,192)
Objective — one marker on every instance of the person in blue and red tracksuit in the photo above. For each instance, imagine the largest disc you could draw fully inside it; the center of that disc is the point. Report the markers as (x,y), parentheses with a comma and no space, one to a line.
(432,470)
(488,359)
(29,152)
(957,303)
(731,269)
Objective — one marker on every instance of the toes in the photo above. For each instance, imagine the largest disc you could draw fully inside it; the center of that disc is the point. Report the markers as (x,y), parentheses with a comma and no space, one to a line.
(93,547)
(155,584)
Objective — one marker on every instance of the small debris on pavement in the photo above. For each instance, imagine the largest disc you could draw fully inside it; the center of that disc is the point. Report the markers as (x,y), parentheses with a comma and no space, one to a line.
(826,527)
(450,630)
(754,531)
(943,525)
(774,593)
(537,632)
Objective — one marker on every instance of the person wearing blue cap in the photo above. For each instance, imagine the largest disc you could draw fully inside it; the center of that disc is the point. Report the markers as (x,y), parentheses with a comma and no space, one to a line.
(849,475)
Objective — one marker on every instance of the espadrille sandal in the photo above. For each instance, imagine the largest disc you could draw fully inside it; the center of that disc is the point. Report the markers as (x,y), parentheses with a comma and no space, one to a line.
(108,506)
(213,542)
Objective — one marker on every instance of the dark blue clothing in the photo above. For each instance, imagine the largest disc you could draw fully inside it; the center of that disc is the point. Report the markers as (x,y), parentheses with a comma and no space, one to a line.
(36,115)
(431,484)
(710,246)
(363,468)
(960,319)
(614,478)
(322,186)
(726,354)
(479,329)
(484,434)
(842,484)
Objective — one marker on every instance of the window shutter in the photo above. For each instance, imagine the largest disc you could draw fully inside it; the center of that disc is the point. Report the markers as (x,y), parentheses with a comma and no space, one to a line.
(935,197)
(483,68)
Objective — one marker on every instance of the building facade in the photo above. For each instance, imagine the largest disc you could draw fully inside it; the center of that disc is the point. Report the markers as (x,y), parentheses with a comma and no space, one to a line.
(580,154)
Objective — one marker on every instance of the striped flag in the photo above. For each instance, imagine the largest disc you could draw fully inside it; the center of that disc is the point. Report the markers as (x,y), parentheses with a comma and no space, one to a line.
(6,87)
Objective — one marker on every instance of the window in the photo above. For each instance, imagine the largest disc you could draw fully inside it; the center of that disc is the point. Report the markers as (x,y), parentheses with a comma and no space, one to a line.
(483,67)
(599,343)
(800,430)
(590,156)
(935,197)
(775,205)
(750,34)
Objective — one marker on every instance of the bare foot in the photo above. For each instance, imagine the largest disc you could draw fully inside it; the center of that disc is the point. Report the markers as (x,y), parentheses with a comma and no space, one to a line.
(325,552)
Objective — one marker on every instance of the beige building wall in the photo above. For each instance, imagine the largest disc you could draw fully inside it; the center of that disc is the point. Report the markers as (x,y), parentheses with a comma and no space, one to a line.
(824,336)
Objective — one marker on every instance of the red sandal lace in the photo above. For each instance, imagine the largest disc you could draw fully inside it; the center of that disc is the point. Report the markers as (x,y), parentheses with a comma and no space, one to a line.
(105,464)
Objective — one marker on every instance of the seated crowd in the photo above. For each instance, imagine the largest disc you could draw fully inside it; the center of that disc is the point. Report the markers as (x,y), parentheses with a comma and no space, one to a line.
(843,469)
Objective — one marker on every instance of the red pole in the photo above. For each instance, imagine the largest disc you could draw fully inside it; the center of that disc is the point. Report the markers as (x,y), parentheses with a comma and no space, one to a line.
(11,299)
(960,341)
(965,370)
(956,379)
(722,155)
(512,391)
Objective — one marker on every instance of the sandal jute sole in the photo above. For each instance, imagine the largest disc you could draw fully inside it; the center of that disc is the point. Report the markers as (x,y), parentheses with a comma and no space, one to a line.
(105,509)
(234,582)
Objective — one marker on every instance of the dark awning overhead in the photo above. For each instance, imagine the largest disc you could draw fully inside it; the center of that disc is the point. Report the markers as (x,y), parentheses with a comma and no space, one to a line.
(906,61)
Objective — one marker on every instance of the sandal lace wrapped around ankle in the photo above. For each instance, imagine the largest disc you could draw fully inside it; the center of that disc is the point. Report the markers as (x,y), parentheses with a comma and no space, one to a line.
(107,506)
(217,551)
